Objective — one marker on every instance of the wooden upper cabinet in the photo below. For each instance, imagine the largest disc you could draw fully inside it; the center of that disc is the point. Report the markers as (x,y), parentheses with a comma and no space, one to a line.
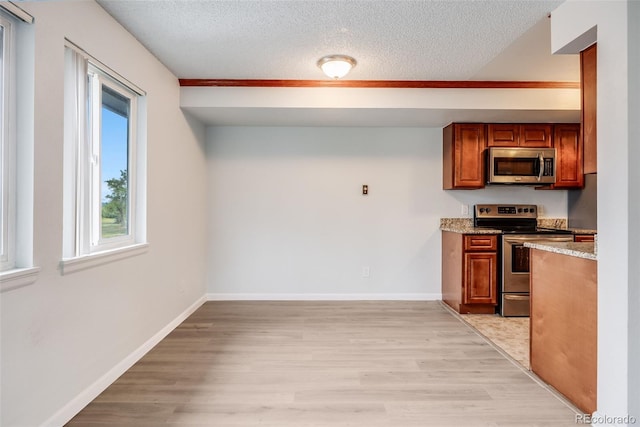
(588,78)
(464,145)
(503,135)
(536,135)
(519,135)
(568,143)
(463,156)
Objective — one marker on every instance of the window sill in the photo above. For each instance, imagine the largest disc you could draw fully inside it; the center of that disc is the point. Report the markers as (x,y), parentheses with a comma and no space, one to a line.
(17,278)
(71,265)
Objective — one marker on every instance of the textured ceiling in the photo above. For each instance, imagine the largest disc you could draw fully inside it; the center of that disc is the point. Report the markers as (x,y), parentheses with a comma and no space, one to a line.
(391,40)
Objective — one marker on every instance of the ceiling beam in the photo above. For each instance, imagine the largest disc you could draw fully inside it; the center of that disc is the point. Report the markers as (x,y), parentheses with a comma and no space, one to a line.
(395,84)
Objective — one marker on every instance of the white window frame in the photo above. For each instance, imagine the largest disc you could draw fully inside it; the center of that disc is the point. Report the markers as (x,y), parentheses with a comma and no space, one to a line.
(8,147)
(92,230)
(16,149)
(83,247)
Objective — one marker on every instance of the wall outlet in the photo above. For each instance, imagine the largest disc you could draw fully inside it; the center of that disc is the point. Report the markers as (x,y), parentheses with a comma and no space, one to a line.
(365,272)
(464,210)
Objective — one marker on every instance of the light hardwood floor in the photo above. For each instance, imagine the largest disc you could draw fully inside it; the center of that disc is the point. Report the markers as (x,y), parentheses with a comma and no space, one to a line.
(324,364)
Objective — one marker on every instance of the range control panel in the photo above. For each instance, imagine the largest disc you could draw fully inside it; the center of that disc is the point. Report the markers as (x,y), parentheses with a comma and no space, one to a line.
(506,211)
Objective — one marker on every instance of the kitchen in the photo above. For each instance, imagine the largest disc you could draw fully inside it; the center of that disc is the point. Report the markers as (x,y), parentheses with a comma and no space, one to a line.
(393,230)
(488,263)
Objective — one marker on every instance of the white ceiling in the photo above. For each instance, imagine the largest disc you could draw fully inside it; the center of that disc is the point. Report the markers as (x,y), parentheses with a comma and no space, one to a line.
(391,40)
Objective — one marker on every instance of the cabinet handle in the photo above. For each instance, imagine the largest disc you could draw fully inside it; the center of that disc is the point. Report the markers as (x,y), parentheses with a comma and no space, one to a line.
(517,297)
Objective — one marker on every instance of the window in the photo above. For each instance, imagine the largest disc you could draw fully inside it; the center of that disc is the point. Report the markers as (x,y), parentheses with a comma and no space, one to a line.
(7,145)
(17,49)
(102,146)
(112,140)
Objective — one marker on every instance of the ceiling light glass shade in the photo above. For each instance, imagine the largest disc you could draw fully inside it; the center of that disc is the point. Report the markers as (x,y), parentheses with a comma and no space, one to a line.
(336,66)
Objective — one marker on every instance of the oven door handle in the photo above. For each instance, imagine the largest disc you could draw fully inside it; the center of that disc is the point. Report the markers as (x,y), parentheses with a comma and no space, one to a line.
(516,297)
(541,159)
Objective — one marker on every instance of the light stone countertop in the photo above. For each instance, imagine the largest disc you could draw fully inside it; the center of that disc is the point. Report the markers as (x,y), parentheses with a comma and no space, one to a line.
(464,226)
(584,250)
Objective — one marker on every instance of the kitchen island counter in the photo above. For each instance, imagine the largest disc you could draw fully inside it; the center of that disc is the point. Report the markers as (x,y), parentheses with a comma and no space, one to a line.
(584,250)
(563,321)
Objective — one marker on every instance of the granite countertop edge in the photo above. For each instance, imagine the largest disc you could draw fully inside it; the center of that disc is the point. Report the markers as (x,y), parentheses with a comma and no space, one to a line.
(582,230)
(471,230)
(465,226)
(584,250)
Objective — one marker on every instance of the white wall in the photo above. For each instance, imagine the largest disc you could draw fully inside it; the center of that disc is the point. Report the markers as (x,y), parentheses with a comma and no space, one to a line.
(633,21)
(61,334)
(618,196)
(287,218)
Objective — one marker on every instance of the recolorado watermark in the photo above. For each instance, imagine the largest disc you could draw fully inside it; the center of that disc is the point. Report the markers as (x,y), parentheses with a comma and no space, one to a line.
(604,419)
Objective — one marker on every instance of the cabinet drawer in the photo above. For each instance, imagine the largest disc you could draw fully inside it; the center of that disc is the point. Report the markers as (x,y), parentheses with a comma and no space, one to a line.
(583,238)
(481,242)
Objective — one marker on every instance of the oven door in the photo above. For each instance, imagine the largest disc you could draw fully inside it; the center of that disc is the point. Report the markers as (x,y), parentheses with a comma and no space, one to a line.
(515,259)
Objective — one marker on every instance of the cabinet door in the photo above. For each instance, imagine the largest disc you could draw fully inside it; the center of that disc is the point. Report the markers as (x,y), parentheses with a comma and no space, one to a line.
(503,135)
(535,135)
(588,65)
(480,274)
(463,155)
(568,144)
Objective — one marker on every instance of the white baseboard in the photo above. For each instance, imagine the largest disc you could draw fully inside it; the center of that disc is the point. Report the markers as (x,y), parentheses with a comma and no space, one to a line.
(84,398)
(322,297)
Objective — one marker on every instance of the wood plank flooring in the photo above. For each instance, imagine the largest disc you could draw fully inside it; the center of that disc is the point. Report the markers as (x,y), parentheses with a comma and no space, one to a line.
(324,364)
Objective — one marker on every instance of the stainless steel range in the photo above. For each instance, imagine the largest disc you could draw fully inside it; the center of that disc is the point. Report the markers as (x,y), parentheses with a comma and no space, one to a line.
(519,224)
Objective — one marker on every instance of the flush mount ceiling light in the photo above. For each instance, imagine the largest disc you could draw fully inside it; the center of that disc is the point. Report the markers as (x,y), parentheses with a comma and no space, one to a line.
(336,66)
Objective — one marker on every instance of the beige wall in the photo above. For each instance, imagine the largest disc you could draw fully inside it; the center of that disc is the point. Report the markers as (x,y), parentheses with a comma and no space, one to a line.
(614,25)
(63,333)
(288,220)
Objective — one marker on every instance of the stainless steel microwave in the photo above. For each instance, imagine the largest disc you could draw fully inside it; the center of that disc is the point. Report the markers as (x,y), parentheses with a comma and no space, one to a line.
(516,165)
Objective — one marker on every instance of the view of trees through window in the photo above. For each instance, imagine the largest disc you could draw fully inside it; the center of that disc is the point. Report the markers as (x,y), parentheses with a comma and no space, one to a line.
(114,192)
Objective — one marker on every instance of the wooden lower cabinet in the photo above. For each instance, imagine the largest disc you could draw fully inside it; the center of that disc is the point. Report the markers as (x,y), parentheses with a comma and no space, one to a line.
(470,272)
(480,277)
(564,325)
